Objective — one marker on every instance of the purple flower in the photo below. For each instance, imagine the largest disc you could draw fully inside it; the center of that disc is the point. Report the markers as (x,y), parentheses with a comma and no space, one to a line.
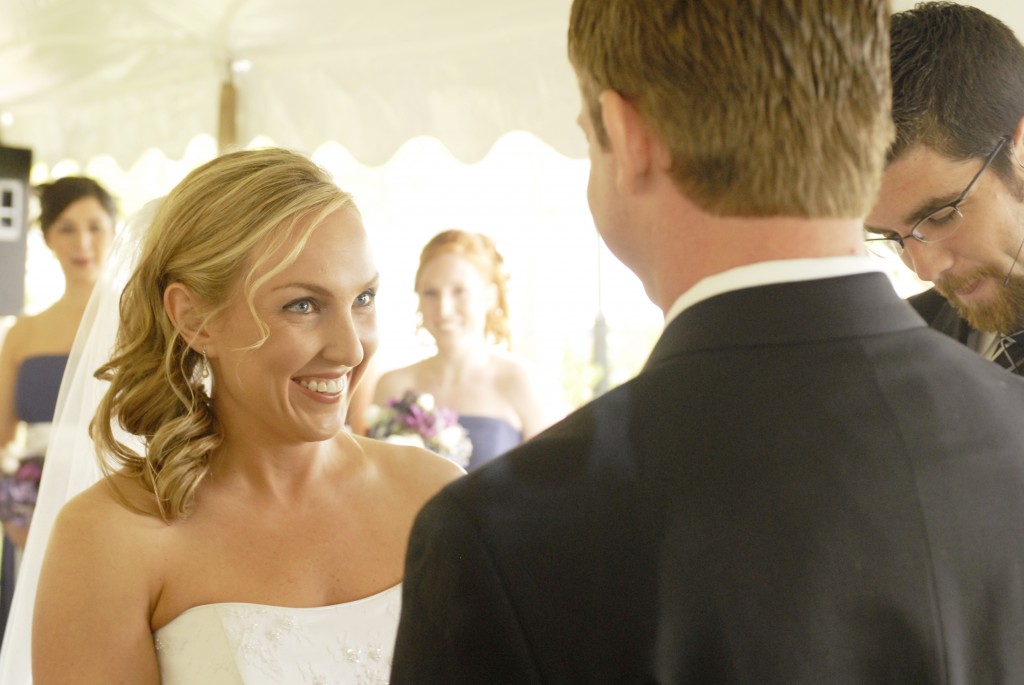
(418,415)
(18,491)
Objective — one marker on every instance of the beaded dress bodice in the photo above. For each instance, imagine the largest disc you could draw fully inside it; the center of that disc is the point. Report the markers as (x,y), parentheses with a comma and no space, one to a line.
(254,644)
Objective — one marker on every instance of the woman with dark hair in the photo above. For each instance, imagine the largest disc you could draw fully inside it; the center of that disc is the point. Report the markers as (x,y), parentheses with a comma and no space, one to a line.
(77,217)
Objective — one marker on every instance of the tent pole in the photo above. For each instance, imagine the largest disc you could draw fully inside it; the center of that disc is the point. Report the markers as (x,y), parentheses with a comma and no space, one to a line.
(227,121)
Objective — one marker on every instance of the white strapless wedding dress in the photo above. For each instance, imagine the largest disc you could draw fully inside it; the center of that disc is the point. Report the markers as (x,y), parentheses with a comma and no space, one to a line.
(253,644)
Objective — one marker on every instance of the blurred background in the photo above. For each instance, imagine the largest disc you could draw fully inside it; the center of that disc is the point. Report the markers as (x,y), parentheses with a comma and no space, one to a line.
(434,113)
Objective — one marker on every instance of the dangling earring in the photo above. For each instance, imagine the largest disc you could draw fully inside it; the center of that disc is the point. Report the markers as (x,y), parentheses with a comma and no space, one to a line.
(204,369)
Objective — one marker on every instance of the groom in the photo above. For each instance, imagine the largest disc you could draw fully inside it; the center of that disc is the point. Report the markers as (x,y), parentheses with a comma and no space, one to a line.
(804,484)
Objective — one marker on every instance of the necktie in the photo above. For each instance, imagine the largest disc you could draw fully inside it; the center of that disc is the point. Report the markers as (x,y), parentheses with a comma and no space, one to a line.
(1010,354)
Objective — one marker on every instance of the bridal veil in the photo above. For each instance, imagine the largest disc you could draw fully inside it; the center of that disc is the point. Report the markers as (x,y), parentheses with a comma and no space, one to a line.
(71,462)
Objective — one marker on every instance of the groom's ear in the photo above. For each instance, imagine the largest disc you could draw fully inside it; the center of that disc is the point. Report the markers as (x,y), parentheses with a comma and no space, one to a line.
(637,151)
(185,311)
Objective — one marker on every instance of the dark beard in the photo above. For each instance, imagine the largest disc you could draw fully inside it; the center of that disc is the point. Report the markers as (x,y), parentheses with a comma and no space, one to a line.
(1004,314)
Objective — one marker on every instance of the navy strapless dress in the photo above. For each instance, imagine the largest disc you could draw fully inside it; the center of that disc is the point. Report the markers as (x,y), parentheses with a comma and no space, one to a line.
(491,437)
(36,387)
(35,399)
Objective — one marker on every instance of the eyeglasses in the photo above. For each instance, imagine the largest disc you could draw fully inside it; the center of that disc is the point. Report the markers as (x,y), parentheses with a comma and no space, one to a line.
(939,225)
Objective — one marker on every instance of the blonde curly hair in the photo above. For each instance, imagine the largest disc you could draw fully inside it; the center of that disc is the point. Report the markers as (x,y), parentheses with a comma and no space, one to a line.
(213,233)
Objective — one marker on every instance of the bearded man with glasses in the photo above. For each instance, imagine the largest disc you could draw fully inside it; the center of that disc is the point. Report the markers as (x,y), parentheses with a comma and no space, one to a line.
(951,204)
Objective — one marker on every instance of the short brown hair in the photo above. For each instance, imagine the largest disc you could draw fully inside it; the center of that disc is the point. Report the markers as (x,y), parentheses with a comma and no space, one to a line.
(958,82)
(768,107)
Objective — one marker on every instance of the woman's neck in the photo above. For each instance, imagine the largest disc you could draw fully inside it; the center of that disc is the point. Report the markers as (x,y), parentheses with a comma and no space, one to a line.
(463,351)
(75,298)
(452,366)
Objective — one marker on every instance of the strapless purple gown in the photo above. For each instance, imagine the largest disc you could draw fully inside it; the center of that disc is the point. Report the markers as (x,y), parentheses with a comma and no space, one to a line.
(491,437)
(35,399)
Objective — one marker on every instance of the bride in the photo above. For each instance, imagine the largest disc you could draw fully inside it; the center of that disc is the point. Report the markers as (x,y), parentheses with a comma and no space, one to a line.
(240,533)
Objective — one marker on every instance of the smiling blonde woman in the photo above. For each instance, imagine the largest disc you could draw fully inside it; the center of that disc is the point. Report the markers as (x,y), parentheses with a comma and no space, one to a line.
(250,538)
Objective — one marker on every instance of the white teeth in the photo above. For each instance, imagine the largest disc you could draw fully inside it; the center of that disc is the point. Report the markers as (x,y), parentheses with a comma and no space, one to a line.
(329,387)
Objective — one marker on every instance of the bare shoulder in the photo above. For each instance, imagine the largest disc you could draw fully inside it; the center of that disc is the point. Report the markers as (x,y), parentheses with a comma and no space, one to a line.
(394,383)
(516,376)
(418,472)
(13,348)
(109,533)
(100,578)
(512,364)
(49,331)
(536,399)
(113,510)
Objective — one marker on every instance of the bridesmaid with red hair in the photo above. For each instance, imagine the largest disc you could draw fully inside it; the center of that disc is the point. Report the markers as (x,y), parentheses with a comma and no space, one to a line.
(463,304)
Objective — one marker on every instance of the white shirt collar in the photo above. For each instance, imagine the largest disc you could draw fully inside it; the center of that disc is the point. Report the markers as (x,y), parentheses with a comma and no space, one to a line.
(768,273)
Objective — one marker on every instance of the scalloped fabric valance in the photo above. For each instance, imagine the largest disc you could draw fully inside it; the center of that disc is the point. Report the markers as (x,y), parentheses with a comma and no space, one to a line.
(117,77)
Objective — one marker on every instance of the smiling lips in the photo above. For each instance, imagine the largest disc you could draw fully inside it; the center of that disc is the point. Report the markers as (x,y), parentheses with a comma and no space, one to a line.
(963,287)
(331,386)
(969,290)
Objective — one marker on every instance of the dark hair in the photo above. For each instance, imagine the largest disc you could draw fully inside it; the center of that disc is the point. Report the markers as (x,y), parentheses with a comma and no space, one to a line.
(958,82)
(55,197)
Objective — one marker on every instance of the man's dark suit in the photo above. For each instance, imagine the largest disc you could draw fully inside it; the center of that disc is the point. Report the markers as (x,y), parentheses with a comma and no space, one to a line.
(834,494)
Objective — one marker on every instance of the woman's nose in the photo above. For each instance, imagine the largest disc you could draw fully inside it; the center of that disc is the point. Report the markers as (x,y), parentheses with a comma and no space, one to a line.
(446,304)
(343,345)
(84,238)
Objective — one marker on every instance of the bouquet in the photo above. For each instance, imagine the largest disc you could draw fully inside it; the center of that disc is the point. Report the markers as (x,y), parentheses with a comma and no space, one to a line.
(416,420)
(19,488)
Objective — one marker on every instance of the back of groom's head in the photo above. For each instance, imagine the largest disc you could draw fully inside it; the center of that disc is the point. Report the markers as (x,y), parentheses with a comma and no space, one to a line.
(768,107)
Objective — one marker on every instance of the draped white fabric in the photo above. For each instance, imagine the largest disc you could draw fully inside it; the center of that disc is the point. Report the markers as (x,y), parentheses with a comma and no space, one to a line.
(120,76)
(71,464)
(81,79)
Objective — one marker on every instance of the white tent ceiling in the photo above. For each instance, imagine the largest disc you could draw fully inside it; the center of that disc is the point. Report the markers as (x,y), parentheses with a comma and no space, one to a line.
(78,78)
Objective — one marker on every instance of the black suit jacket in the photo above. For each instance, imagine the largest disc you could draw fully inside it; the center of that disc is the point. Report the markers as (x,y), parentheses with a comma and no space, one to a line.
(788,492)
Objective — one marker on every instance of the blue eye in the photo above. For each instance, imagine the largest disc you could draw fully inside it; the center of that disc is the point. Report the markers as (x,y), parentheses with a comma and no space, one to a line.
(366,298)
(303,306)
